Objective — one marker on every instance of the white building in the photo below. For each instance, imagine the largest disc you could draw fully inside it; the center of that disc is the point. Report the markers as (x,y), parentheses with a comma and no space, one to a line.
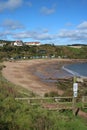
(32,43)
(17,43)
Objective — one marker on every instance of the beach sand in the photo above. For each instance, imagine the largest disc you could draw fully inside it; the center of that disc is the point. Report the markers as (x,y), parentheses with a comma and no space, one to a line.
(25,73)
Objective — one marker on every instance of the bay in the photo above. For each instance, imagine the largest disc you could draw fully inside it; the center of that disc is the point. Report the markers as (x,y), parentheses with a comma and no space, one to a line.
(77,69)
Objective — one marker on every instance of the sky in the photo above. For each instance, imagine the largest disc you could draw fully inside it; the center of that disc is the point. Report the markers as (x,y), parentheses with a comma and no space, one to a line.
(60,22)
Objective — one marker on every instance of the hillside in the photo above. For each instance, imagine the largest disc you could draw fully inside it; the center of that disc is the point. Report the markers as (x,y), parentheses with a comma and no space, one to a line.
(42,51)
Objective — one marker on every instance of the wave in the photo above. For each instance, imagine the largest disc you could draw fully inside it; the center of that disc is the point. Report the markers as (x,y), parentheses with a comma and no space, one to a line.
(72,72)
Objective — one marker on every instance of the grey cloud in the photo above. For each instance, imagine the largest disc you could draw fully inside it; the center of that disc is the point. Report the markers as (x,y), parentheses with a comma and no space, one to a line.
(67,33)
(78,34)
(22,35)
(5,34)
(82,25)
(10,4)
(73,35)
(47,11)
(45,30)
(29,4)
(69,24)
(11,24)
(43,36)
(33,35)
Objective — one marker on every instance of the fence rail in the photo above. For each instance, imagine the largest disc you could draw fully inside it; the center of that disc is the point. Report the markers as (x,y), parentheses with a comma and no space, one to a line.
(51,103)
(84,102)
(54,103)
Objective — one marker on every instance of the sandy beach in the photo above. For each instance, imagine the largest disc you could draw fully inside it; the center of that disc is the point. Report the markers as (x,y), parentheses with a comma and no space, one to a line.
(27,73)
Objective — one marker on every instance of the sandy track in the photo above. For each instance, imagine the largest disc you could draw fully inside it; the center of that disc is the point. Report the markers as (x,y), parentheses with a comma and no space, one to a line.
(22,73)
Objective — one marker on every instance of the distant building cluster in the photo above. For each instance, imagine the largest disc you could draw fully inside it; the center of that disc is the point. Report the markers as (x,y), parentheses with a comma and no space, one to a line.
(2,44)
(20,43)
(32,43)
(17,43)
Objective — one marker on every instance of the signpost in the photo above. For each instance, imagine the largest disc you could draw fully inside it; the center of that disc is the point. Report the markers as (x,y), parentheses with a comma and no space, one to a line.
(75,94)
(75,90)
(75,87)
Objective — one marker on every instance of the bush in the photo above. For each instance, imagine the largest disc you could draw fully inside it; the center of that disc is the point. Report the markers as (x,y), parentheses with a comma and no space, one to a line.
(51,94)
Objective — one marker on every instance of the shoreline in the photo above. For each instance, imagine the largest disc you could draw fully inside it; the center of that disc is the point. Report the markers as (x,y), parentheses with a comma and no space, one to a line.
(24,73)
(73,73)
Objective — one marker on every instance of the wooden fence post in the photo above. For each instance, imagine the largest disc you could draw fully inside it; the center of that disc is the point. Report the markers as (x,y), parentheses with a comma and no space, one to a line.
(83,102)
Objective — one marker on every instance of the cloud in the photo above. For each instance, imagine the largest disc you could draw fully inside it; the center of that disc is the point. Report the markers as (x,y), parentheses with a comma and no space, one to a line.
(43,36)
(11,25)
(5,34)
(47,11)
(82,25)
(10,4)
(77,35)
(22,35)
(69,24)
(45,30)
(29,4)
(68,33)
(66,36)
(33,35)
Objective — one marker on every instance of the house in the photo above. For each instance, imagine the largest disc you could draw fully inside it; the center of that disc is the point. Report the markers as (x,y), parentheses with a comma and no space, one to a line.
(1,45)
(32,43)
(17,43)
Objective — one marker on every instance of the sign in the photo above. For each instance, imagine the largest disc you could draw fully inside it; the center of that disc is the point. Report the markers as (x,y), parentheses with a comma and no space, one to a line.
(75,87)
(75,94)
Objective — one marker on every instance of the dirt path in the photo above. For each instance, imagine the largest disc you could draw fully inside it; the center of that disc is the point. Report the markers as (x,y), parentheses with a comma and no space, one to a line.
(23,73)
(82,114)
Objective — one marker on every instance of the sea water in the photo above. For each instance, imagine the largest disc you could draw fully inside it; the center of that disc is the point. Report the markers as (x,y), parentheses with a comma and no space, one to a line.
(78,69)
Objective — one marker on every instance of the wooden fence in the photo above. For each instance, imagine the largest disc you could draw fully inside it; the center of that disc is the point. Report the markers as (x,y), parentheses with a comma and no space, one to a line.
(57,103)
(84,102)
(51,103)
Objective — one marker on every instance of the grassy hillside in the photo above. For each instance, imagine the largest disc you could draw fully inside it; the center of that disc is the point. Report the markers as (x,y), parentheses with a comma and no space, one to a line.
(8,51)
(17,115)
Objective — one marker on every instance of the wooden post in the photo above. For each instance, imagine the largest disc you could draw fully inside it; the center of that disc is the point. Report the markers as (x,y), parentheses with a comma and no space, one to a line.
(83,102)
(29,101)
(74,104)
(74,98)
(74,79)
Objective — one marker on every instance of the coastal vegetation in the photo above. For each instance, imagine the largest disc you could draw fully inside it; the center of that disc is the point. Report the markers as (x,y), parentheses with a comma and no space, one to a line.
(42,51)
(19,115)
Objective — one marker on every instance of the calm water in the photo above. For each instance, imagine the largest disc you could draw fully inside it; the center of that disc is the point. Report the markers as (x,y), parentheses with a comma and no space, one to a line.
(51,73)
(78,69)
